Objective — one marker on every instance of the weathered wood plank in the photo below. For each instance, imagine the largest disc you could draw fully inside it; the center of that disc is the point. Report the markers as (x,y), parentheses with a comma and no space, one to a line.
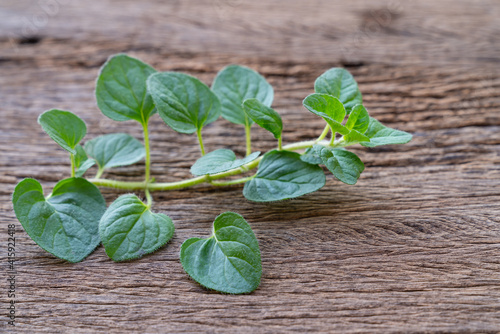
(413,247)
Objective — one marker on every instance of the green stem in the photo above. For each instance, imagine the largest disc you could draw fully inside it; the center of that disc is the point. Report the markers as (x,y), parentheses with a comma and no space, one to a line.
(200,140)
(99,173)
(228,183)
(148,153)
(149,199)
(127,185)
(280,143)
(248,136)
(73,167)
(324,133)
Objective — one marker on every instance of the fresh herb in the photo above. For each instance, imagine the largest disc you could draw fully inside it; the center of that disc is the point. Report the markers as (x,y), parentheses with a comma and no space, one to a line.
(72,220)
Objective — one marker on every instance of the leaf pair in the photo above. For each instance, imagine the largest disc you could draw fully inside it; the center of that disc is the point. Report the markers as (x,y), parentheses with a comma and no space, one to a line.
(337,95)
(73,220)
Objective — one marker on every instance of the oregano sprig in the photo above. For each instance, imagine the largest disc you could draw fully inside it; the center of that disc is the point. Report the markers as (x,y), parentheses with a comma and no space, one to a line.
(72,220)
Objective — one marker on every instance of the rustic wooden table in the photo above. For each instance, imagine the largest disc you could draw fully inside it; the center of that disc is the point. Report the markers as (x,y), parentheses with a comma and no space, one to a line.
(413,247)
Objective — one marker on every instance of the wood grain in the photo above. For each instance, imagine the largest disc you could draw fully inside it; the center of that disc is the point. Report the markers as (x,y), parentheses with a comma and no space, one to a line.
(413,247)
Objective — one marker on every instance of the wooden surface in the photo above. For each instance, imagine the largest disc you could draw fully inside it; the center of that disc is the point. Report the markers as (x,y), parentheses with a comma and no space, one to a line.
(413,247)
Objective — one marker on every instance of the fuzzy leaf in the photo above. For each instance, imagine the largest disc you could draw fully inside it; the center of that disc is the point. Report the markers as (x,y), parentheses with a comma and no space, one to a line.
(185,103)
(283,175)
(220,161)
(121,89)
(344,165)
(358,119)
(229,261)
(339,83)
(66,224)
(82,161)
(381,135)
(116,149)
(234,84)
(264,116)
(64,127)
(129,230)
(311,157)
(329,108)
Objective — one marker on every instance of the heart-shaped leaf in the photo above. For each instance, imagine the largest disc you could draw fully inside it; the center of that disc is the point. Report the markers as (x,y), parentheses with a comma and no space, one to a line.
(219,161)
(65,224)
(82,161)
(116,149)
(229,261)
(185,103)
(344,165)
(121,89)
(339,83)
(381,135)
(129,229)
(283,175)
(64,127)
(329,108)
(234,84)
(264,116)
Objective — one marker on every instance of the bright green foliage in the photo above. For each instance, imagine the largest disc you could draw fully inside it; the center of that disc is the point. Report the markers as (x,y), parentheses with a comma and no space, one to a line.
(234,84)
(129,229)
(185,103)
(71,221)
(121,89)
(115,149)
(65,224)
(283,175)
(358,119)
(64,127)
(329,108)
(82,161)
(264,116)
(344,165)
(220,160)
(382,135)
(229,261)
(339,83)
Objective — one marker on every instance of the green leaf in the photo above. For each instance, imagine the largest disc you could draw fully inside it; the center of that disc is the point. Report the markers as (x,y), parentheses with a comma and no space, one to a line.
(185,103)
(264,116)
(283,175)
(354,137)
(358,119)
(66,224)
(339,83)
(129,230)
(344,165)
(220,161)
(64,127)
(82,161)
(116,149)
(234,84)
(229,261)
(121,89)
(382,135)
(311,157)
(329,108)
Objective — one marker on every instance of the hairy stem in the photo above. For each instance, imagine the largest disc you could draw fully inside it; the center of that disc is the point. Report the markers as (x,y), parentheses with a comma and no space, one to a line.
(73,165)
(148,153)
(200,140)
(149,199)
(248,137)
(99,173)
(228,183)
(161,186)
(324,133)
(280,143)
